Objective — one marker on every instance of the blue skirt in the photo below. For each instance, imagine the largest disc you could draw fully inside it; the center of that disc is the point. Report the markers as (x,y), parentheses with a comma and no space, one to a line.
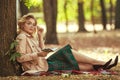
(62,59)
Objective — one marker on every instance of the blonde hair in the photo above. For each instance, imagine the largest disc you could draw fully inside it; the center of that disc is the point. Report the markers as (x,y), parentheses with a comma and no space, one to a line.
(23,19)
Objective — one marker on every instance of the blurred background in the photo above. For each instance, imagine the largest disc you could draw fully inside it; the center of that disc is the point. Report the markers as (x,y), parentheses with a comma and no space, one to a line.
(68,16)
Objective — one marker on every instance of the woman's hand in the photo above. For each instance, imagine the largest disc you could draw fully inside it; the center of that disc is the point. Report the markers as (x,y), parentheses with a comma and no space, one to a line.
(42,54)
(40,31)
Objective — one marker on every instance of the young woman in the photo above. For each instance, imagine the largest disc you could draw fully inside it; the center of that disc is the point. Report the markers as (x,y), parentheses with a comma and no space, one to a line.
(33,58)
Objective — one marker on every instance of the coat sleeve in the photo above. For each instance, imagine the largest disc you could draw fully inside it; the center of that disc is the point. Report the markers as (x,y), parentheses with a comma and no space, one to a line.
(21,48)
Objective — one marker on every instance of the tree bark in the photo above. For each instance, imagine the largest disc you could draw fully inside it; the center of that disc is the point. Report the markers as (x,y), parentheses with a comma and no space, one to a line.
(81,18)
(50,16)
(7,35)
(117,15)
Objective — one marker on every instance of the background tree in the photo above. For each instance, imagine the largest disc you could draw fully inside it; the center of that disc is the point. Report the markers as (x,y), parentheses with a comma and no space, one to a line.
(7,35)
(103,12)
(50,16)
(92,14)
(23,8)
(81,18)
(117,15)
(111,12)
(65,11)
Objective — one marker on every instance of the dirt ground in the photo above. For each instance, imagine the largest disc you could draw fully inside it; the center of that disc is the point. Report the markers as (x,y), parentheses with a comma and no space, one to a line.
(105,43)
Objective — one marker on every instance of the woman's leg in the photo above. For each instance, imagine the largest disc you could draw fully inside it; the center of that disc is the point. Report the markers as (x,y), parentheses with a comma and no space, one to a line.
(87,63)
(80,58)
(85,67)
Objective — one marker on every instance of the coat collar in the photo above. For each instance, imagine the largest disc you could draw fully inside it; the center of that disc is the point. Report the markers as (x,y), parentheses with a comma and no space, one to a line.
(28,35)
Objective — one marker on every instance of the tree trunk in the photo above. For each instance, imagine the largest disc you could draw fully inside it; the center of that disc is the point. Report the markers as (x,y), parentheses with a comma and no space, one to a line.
(23,8)
(81,18)
(92,15)
(111,10)
(7,35)
(117,15)
(65,12)
(103,11)
(50,16)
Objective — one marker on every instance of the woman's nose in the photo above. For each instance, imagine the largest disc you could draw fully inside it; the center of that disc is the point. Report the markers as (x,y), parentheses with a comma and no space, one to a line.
(32,26)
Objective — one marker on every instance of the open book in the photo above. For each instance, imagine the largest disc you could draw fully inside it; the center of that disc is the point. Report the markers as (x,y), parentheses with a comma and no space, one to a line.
(49,49)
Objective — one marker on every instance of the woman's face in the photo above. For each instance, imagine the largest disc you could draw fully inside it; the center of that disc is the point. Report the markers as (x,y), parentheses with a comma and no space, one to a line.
(29,26)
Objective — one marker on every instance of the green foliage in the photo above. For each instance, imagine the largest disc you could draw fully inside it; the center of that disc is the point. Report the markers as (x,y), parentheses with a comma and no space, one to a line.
(13,44)
(30,3)
(14,56)
(72,8)
(12,52)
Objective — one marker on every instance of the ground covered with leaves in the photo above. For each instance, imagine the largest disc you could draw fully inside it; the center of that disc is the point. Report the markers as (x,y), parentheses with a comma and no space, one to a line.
(102,45)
